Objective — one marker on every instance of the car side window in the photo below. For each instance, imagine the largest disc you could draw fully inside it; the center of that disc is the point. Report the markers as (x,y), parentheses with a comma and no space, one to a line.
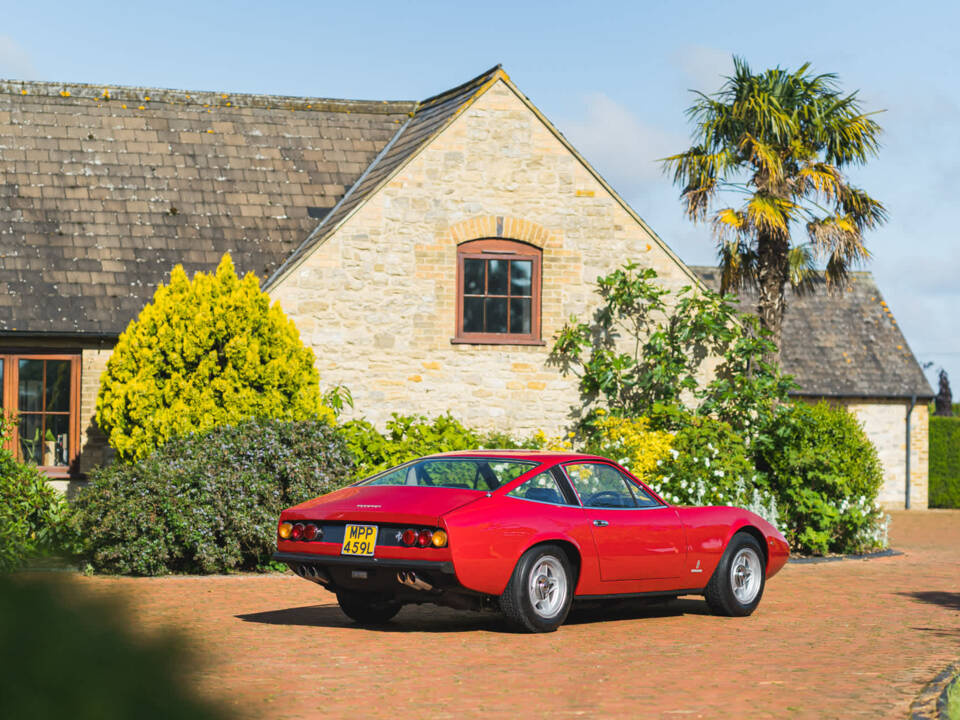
(603,486)
(542,488)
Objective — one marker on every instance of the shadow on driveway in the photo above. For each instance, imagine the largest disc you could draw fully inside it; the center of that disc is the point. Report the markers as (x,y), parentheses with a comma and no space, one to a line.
(430,618)
(949,600)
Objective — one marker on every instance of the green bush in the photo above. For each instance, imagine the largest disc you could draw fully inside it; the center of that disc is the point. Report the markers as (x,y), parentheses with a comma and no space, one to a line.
(406,437)
(710,464)
(112,673)
(646,346)
(411,436)
(945,462)
(826,475)
(206,352)
(33,516)
(208,502)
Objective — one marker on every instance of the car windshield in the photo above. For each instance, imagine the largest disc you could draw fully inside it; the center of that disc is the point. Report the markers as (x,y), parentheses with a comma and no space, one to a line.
(467,473)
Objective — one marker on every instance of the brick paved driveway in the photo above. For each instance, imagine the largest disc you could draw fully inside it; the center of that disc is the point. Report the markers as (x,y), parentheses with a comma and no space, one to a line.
(842,639)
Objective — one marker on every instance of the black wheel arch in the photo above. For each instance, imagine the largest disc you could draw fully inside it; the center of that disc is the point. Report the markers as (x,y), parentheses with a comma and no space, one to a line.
(758,536)
(569,549)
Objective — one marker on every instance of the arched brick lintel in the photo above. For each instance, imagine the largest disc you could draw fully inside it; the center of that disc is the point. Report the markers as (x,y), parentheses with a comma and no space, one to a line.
(500,226)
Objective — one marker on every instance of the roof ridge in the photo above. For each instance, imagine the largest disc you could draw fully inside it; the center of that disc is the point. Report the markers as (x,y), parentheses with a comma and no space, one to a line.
(473,82)
(819,273)
(106,92)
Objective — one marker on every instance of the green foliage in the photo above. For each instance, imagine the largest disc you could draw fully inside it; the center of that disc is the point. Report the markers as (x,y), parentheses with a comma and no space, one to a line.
(645,348)
(945,462)
(33,516)
(114,673)
(775,144)
(407,437)
(411,436)
(209,502)
(710,464)
(206,352)
(826,476)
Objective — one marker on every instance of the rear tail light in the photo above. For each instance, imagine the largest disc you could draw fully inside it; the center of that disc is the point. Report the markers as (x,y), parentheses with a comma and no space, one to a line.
(439,539)
(424,538)
(409,537)
(309,531)
(284,530)
(297,532)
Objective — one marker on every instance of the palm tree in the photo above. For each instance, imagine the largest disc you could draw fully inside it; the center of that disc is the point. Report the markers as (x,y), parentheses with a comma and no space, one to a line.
(779,140)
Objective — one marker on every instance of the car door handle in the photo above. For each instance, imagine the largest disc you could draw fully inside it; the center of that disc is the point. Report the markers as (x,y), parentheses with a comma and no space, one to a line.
(600,523)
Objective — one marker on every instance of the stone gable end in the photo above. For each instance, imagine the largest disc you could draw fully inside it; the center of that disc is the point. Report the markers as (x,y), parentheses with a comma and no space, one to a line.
(377,300)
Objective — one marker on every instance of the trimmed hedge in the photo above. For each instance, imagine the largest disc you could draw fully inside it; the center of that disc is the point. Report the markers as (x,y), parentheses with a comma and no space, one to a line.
(208,503)
(945,462)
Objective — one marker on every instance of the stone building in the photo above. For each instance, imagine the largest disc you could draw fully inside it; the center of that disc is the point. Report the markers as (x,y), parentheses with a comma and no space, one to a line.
(427,251)
(845,346)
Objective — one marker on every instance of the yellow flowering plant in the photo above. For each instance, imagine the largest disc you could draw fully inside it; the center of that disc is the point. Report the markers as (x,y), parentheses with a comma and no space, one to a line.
(205,352)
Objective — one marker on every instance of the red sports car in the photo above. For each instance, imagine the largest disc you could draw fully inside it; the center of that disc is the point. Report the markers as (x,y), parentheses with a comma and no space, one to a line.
(527,532)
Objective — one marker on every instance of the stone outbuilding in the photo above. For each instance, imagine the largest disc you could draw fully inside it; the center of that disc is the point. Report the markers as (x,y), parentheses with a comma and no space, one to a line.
(427,251)
(844,346)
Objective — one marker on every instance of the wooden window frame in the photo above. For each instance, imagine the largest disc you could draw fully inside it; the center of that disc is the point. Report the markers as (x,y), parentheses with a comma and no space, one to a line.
(500,249)
(10,402)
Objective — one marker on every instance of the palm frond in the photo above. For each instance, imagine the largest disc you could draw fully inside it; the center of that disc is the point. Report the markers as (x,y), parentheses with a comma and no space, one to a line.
(738,266)
(821,179)
(770,215)
(802,267)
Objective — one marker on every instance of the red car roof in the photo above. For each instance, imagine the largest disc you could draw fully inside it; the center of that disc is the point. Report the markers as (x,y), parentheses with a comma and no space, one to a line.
(540,456)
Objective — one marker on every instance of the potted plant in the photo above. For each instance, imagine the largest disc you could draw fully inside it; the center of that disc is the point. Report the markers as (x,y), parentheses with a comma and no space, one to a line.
(49,448)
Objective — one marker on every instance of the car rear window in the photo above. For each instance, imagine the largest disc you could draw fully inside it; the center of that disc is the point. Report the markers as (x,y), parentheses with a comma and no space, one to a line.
(466,473)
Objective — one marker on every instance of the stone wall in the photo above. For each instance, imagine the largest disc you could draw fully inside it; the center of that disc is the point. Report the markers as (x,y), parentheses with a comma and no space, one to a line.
(377,300)
(94,450)
(885,423)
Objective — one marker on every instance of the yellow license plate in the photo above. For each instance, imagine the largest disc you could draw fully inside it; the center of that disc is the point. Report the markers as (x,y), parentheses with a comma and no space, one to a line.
(359,540)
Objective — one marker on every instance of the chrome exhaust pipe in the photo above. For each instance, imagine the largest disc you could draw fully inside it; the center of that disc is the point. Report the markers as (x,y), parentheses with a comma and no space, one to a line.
(410,579)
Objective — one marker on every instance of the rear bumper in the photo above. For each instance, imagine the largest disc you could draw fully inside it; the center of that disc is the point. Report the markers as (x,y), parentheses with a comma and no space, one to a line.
(444,567)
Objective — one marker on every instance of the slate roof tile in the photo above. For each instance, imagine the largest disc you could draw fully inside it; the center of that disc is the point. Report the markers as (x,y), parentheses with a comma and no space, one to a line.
(107,198)
(844,342)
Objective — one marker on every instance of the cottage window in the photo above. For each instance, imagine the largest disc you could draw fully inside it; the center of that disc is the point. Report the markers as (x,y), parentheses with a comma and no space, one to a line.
(498,293)
(40,394)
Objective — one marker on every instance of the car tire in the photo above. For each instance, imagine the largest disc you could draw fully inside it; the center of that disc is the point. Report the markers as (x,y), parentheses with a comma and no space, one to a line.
(736,586)
(538,596)
(368,608)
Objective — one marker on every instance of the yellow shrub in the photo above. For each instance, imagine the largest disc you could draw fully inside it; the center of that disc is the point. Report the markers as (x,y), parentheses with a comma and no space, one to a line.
(556,443)
(632,443)
(206,352)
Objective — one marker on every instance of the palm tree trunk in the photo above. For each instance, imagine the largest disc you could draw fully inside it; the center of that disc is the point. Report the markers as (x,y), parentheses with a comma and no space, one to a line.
(772,276)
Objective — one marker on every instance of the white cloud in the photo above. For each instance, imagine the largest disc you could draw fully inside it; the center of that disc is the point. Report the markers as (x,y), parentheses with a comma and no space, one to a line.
(621,147)
(705,67)
(15,63)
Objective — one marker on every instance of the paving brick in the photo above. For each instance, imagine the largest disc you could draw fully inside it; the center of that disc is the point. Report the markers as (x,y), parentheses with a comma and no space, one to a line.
(856,638)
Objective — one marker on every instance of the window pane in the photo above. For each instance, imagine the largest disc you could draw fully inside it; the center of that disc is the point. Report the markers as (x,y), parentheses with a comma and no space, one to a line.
(31,386)
(473,276)
(542,488)
(496,315)
(31,438)
(56,444)
(1,382)
(472,314)
(520,315)
(497,277)
(521,274)
(58,385)
(600,485)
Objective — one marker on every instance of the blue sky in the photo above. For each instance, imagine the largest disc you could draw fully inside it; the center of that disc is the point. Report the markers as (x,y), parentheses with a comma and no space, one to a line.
(614,77)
